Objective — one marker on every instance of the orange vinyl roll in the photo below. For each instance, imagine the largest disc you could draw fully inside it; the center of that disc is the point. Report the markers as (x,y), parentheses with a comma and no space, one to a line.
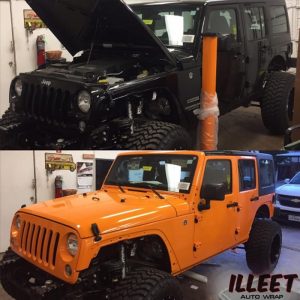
(209,110)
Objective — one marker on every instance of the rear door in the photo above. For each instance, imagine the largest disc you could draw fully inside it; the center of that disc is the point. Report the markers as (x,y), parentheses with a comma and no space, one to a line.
(248,195)
(257,44)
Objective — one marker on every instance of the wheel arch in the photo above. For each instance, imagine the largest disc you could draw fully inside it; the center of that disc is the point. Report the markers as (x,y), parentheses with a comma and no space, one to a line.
(263,212)
(171,266)
(278,63)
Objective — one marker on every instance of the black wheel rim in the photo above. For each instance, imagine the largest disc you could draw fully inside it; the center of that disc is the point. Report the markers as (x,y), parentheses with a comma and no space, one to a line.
(275,249)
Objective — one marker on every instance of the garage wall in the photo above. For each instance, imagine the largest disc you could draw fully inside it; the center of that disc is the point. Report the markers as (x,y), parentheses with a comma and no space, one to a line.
(24,46)
(294,15)
(16,188)
(45,182)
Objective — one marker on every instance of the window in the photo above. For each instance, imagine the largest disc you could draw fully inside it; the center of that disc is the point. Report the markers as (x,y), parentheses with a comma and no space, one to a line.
(172,173)
(255,23)
(247,175)
(218,171)
(223,21)
(278,19)
(266,172)
(174,24)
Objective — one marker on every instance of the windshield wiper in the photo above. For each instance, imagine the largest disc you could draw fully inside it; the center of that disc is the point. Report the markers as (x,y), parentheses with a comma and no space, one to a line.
(121,189)
(151,187)
(118,184)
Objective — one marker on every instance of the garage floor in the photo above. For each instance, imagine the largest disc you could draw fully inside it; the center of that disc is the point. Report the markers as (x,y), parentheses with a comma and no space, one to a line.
(219,269)
(243,129)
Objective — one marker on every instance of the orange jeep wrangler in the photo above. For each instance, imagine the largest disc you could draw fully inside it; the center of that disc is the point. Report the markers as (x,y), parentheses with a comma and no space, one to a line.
(157,215)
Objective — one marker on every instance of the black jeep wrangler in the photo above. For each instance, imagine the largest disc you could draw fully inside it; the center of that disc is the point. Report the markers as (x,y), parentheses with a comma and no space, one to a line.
(135,80)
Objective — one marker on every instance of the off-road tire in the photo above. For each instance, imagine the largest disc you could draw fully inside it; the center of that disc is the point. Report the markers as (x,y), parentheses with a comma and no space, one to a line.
(264,246)
(156,135)
(147,284)
(278,102)
(8,118)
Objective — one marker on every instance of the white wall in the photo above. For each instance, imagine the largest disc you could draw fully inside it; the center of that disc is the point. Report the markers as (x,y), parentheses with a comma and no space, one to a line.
(294,16)
(6,55)
(25,43)
(45,181)
(16,188)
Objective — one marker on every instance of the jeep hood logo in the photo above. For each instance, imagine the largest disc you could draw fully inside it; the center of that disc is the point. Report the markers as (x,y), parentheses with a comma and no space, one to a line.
(46,82)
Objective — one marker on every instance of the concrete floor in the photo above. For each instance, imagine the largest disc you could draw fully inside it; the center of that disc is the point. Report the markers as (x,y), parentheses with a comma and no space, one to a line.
(219,269)
(243,129)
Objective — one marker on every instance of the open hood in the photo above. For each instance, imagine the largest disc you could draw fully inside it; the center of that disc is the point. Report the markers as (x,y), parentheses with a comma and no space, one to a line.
(76,23)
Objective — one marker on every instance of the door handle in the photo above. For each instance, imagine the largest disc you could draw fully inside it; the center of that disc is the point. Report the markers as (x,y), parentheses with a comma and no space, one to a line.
(254,199)
(232,205)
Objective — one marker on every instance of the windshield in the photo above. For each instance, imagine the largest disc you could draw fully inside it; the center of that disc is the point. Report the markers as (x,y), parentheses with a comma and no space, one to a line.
(296,179)
(174,24)
(172,173)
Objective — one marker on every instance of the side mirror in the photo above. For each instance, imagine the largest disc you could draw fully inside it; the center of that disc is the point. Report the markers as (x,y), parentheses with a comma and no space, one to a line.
(287,180)
(212,192)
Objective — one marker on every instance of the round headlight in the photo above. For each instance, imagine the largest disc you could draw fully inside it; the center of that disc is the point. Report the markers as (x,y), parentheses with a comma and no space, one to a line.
(18,223)
(18,87)
(72,244)
(84,101)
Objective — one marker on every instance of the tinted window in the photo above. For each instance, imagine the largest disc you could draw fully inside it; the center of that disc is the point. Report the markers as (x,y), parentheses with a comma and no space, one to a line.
(173,24)
(247,175)
(223,21)
(255,23)
(218,171)
(266,172)
(278,19)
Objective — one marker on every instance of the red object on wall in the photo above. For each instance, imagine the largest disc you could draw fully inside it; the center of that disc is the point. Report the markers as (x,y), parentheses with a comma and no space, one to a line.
(58,187)
(40,48)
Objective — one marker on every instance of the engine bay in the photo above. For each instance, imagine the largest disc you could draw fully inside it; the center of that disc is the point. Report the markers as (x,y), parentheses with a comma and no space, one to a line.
(110,68)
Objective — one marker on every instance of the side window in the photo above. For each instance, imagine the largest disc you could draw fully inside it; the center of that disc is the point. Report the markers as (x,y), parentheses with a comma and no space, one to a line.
(247,175)
(223,21)
(255,23)
(218,171)
(266,173)
(278,19)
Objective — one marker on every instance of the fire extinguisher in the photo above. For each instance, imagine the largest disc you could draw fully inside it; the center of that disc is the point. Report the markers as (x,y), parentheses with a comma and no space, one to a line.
(40,48)
(58,187)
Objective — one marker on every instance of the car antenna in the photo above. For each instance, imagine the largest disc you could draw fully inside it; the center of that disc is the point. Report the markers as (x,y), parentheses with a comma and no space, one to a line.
(93,42)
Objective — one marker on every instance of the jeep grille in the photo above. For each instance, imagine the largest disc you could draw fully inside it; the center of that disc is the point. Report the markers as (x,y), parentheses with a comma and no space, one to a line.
(44,103)
(39,243)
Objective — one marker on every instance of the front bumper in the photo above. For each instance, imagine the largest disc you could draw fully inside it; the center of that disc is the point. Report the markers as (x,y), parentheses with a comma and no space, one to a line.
(286,215)
(21,280)
(23,134)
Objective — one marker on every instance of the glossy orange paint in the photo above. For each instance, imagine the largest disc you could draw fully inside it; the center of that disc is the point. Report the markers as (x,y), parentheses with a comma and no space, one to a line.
(190,235)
